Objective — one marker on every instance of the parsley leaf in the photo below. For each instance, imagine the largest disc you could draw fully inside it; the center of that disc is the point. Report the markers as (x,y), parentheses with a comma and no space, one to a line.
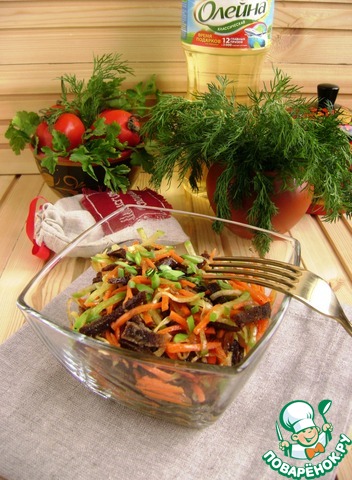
(21,130)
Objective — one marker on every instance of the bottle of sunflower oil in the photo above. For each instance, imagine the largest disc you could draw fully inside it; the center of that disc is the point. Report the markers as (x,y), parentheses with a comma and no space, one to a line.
(226,38)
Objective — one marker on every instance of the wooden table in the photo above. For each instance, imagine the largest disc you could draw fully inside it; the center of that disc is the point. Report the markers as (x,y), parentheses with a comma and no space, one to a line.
(326,249)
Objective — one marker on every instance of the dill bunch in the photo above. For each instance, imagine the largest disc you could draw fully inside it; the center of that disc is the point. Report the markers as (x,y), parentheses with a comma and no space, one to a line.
(276,133)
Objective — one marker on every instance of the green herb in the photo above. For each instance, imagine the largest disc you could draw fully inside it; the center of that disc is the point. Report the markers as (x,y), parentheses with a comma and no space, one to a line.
(276,133)
(195,309)
(21,130)
(193,258)
(165,271)
(104,89)
(128,268)
(224,285)
(190,323)
(155,281)
(144,288)
(87,99)
(180,337)
(93,313)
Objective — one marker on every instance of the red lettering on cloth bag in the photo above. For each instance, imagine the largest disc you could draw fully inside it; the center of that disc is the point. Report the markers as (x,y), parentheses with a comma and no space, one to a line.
(101,204)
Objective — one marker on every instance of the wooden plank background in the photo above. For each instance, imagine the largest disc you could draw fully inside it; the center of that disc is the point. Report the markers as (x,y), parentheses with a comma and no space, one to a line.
(41,40)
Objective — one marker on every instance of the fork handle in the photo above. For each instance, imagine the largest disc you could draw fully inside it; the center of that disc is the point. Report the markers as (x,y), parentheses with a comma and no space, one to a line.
(341,318)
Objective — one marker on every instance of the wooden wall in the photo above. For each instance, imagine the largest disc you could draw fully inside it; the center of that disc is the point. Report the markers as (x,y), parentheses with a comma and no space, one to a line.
(40,40)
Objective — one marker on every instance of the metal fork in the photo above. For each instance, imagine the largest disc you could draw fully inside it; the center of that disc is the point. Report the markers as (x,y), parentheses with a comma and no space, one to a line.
(283,277)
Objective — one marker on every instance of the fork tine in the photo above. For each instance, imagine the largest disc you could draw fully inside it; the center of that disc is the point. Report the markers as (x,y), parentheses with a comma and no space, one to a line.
(283,277)
(255,270)
(266,264)
(263,280)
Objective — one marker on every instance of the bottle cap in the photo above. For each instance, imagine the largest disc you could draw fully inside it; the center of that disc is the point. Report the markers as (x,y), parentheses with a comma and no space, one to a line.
(327,93)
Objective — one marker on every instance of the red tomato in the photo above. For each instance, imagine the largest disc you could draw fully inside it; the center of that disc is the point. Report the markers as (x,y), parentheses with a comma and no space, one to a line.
(292,205)
(69,124)
(129,124)
(44,136)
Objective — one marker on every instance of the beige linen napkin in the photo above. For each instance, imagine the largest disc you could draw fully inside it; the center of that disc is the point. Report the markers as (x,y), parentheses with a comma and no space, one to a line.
(52,427)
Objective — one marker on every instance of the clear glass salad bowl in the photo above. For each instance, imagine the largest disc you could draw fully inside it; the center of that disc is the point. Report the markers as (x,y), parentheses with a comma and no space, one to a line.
(185,392)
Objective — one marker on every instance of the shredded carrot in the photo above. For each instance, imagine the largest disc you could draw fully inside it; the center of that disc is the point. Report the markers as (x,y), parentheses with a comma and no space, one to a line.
(164,303)
(173,356)
(117,334)
(147,263)
(183,309)
(158,372)
(159,390)
(238,306)
(170,253)
(238,284)
(90,304)
(109,309)
(142,279)
(111,338)
(221,355)
(119,289)
(186,283)
(258,295)
(186,293)
(210,331)
(129,294)
(262,325)
(178,319)
(220,333)
(204,322)
(272,296)
(134,311)
(148,319)
(111,273)
(211,359)
(172,328)
(107,294)
(199,392)
(255,290)
(82,302)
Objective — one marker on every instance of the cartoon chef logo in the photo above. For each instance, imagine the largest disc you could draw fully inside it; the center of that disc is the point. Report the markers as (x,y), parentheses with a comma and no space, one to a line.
(308,440)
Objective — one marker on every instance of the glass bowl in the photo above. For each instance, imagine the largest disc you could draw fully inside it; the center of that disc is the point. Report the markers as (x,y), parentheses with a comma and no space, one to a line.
(204,390)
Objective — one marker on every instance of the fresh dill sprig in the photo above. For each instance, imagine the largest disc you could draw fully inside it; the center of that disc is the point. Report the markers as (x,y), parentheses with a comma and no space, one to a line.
(276,133)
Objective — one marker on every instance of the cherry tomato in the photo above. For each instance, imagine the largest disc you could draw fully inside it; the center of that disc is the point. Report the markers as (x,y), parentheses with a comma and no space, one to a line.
(292,205)
(68,124)
(129,124)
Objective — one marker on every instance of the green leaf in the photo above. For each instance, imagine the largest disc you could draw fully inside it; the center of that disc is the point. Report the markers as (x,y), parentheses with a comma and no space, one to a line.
(26,122)
(116,178)
(99,128)
(50,159)
(21,129)
(141,158)
(60,142)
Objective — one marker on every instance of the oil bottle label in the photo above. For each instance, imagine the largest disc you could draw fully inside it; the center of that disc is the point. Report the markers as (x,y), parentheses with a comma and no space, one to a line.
(227,23)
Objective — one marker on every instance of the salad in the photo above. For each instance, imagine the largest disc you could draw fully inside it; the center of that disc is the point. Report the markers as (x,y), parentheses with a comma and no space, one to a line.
(147,297)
